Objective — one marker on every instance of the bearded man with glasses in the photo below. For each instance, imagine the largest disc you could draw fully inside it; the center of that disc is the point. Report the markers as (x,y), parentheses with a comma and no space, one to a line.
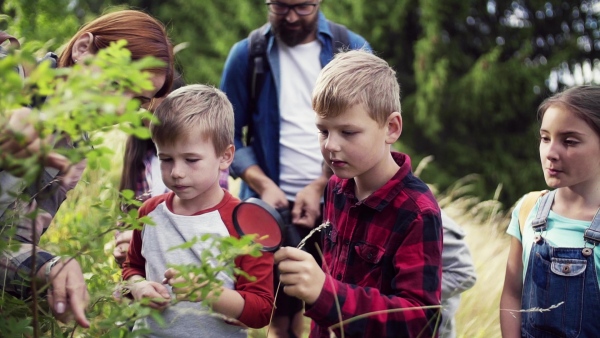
(276,140)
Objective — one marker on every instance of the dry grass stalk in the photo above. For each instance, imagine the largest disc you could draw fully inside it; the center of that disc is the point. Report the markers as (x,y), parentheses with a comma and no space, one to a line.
(534,309)
(335,297)
(317,229)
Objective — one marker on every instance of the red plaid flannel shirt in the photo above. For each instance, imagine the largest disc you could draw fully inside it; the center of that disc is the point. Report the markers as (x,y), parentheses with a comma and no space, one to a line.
(382,253)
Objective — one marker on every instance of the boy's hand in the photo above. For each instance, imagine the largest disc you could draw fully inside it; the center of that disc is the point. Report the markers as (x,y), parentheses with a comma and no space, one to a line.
(158,293)
(300,273)
(185,289)
(122,240)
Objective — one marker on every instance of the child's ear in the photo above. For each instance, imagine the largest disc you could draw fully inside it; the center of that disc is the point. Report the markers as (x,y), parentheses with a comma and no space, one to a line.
(394,127)
(82,46)
(227,157)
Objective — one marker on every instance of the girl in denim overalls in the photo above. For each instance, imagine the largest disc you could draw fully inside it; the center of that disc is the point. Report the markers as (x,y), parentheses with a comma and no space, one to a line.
(553,267)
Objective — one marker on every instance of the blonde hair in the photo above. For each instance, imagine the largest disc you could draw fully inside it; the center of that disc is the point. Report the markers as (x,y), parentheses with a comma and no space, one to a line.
(357,77)
(191,107)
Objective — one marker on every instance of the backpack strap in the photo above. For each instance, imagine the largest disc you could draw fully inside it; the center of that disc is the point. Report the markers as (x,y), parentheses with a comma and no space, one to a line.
(258,64)
(341,40)
(257,46)
(529,202)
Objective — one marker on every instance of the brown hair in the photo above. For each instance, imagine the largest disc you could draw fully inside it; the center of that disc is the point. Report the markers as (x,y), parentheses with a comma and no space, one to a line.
(357,77)
(583,101)
(195,108)
(145,36)
(136,150)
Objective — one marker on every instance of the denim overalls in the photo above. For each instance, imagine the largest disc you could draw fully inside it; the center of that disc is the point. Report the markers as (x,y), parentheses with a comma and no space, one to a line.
(556,275)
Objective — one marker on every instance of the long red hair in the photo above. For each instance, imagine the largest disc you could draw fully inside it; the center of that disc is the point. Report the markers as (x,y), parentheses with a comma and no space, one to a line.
(145,36)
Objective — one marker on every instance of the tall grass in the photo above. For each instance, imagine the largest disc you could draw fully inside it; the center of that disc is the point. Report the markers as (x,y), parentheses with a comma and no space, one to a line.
(485,226)
(86,214)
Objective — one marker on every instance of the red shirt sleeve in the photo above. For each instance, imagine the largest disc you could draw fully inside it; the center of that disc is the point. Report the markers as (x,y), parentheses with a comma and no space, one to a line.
(135,263)
(257,294)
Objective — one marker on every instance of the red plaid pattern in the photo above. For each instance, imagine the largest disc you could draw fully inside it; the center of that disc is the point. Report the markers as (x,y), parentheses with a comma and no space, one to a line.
(382,253)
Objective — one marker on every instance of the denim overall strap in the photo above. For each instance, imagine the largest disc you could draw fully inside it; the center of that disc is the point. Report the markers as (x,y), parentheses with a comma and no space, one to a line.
(539,222)
(560,292)
(592,234)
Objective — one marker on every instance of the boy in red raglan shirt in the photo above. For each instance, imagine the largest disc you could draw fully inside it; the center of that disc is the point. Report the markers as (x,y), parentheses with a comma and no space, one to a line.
(194,141)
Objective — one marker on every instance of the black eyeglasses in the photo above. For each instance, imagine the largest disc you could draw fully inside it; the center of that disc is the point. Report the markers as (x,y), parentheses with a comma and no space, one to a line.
(283,9)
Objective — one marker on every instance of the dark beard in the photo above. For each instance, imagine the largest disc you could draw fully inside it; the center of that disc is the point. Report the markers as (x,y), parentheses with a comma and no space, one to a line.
(294,37)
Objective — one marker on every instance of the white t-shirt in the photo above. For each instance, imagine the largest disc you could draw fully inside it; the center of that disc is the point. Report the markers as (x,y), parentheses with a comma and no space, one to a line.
(157,186)
(300,155)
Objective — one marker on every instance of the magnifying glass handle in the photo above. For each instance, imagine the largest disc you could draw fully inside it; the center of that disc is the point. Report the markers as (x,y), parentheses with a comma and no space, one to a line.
(291,237)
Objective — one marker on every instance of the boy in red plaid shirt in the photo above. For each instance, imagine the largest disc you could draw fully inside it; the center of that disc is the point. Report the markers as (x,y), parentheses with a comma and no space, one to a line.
(383,247)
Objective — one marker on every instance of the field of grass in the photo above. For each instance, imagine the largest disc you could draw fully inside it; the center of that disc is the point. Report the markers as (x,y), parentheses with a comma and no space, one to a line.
(478,313)
(84,222)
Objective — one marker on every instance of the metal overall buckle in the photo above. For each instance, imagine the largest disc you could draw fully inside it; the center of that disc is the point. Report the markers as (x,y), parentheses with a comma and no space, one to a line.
(538,225)
(537,237)
(587,251)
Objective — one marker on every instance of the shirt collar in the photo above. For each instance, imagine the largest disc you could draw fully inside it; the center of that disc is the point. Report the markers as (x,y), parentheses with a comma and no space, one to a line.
(384,195)
(323,30)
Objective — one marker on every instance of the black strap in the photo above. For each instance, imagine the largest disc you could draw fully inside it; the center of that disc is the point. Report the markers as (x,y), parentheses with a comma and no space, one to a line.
(257,46)
(258,63)
(341,41)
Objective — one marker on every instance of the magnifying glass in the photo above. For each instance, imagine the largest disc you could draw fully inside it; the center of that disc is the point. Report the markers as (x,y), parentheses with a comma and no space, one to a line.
(255,217)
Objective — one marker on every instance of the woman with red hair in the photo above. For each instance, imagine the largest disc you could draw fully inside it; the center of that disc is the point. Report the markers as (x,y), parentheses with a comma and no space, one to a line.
(67,292)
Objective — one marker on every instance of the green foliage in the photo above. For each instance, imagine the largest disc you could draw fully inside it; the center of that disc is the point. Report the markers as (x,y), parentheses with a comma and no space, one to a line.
(472,72)
(37,19)
(86,104)
(219,254)
(14,326)
(79,99)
